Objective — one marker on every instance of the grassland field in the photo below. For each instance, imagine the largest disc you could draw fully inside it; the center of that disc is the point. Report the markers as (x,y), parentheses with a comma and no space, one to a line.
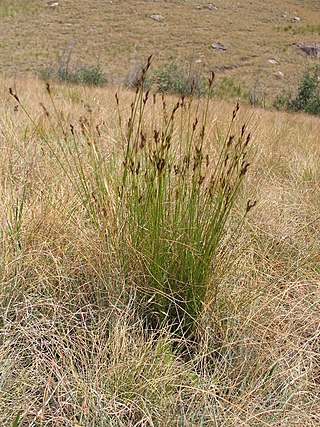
(159,256)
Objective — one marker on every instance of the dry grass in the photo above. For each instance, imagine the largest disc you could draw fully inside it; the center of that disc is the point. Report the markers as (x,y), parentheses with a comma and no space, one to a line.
(118,34)
(74,351)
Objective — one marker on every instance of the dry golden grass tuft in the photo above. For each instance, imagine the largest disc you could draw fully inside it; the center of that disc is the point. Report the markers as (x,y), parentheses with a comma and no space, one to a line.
(73,348)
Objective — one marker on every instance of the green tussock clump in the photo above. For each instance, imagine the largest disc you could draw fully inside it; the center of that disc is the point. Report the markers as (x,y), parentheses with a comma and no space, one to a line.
(174,191)
(176,194)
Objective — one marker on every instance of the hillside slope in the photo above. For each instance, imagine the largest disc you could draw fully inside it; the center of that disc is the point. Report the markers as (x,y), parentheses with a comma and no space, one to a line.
(117,34)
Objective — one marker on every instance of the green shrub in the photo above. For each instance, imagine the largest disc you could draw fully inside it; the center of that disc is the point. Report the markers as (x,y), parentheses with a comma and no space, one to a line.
(170,78)
(64,70)
(307,98)
(79,74)
(89,75)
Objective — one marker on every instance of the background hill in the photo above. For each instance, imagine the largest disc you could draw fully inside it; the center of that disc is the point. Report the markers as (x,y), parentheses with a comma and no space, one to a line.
(119,34)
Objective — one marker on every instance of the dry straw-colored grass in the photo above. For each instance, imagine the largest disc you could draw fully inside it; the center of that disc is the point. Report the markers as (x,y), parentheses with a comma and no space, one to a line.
(73,348)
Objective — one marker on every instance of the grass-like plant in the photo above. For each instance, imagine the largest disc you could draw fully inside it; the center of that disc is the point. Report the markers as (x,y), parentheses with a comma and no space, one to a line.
(175,197)
(173,79)
(6,11)
(16,421)
(229,89)
(78,74)
(172,194)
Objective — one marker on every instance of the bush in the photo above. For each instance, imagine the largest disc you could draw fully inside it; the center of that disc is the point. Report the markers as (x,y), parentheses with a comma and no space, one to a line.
(133,78)
(170,78)
(307,98)
(64,71)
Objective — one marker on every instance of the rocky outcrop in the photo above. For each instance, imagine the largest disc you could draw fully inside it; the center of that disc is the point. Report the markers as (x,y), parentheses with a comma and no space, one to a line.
(218,46)
(311,49)
(157,17)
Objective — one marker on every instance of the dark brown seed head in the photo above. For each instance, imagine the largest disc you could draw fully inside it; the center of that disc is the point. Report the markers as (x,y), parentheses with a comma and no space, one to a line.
(44,109)
(156,136)
(211,79)
(201,179)
(145,99)
(235,111)
(14,95)
(230,140)
(250,205)
(244,168)
(143,140)
(247,140)
(195,124)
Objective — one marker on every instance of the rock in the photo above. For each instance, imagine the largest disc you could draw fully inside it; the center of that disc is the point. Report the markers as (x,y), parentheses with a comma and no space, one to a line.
(198,61)
(295,20)
(157,17)
(279,74)
(209,6)
(218,46)
(52,3)
(311,49)
(272,61)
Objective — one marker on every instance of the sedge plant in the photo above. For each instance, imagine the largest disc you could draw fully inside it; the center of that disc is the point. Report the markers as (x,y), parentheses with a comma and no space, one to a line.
(176,194)
(162,211)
